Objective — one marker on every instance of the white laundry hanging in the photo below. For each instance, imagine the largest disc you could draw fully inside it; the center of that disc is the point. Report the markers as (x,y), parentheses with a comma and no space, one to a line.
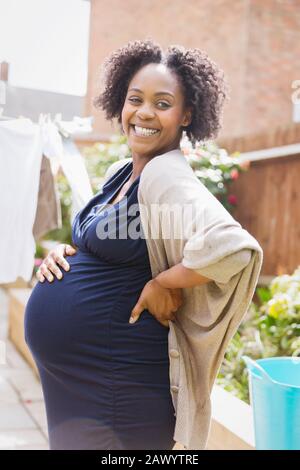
(20,161)
(22,145)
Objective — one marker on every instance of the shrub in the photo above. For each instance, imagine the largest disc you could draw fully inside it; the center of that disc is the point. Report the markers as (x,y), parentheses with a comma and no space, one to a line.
(270,329)
(215,169)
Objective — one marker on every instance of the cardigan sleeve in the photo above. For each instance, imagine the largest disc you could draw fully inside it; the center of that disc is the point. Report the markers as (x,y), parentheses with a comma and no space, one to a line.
(222,270)
(194,227)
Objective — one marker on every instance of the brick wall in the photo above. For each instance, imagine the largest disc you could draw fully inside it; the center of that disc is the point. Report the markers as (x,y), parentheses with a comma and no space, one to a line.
(257,43)
(272,63)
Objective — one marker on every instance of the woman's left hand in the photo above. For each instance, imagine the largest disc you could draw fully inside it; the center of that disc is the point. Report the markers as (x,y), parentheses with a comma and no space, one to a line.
(161,302)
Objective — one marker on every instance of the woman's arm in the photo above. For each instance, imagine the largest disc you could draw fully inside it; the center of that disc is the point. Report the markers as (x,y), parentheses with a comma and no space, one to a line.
(178,277)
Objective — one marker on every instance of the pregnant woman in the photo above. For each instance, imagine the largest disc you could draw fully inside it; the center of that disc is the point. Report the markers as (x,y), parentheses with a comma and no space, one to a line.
(106,380)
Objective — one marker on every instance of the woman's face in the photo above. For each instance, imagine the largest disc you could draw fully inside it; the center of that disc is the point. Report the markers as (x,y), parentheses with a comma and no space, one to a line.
(154,100)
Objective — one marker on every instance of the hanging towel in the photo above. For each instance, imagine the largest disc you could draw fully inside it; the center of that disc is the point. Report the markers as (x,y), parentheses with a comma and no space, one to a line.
(48,213)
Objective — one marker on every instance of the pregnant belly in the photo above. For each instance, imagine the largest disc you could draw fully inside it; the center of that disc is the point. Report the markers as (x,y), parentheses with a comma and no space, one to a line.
(85,315)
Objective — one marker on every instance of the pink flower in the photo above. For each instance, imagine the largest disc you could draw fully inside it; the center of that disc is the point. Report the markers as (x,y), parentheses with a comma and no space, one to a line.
(234,174)
(245,165)
(232,199)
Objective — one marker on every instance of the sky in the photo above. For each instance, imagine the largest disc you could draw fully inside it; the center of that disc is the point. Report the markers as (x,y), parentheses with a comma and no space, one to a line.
(46,44)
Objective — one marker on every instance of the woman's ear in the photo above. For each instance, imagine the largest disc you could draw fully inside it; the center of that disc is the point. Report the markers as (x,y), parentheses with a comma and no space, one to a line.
(187,117)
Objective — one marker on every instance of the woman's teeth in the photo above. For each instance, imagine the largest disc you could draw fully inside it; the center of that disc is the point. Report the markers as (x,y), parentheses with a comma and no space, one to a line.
(143,131)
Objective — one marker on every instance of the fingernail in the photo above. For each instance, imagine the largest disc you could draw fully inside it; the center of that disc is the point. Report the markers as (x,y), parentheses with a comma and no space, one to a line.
(131,320)
(59,276)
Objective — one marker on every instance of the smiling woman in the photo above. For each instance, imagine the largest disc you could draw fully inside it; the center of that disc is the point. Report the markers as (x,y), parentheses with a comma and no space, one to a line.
(106,382)
(188,81)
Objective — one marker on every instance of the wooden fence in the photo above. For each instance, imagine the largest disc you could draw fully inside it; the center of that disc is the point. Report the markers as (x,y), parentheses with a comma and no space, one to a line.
(275,137)
(268,206)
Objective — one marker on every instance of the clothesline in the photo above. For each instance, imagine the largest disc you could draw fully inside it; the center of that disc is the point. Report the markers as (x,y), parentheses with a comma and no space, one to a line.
(75,126)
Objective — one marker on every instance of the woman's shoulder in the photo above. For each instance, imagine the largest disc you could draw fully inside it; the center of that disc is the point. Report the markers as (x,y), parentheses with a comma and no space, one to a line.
(165,167)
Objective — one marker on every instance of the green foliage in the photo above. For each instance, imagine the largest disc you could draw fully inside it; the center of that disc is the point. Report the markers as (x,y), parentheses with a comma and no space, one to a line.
(270,329)
(39,251)
(101,155)
(63,234)
(215,169)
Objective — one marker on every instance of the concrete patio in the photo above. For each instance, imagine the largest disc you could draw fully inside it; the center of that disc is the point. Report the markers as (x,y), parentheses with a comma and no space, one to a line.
(22,412)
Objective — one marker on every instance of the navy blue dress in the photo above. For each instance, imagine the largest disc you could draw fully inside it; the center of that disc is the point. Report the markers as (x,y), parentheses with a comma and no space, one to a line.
(105,381)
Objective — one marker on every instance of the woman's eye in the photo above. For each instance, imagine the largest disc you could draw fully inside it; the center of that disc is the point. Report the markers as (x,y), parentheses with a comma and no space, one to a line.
(166,104)
(136,100)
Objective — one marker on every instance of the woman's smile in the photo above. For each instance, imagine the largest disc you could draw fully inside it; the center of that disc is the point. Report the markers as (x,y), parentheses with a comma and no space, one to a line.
(143,132)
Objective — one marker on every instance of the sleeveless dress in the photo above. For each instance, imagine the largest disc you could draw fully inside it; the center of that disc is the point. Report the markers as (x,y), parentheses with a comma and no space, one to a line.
(105,381)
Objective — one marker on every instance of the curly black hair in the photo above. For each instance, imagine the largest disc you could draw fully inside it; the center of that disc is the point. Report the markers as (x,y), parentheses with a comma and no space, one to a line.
(204,85)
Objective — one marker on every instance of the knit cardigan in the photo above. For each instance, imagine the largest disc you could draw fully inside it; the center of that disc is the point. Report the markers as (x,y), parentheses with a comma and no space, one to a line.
(216,247)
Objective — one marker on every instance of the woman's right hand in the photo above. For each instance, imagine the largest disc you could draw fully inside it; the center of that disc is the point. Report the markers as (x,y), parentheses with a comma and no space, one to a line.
(162,303)
(54,259)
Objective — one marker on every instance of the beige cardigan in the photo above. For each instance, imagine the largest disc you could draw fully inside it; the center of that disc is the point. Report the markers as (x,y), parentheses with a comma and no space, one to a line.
(218,248)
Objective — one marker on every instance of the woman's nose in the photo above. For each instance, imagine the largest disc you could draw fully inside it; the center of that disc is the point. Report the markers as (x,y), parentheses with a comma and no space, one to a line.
(145,112)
